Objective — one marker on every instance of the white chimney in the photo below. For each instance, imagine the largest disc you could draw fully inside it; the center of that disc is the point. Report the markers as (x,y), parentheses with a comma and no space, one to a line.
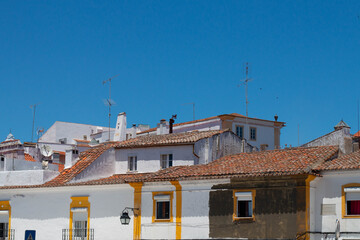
(163,127)
(120,131)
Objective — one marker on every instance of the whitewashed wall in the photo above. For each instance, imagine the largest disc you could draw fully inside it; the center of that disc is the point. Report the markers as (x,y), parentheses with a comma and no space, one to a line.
(264,131)
(148,159)
(327,190)
(47,210)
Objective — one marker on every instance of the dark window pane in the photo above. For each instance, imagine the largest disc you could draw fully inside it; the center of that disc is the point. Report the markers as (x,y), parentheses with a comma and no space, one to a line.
(170,160)
(244,209)
(163,210)
(353,207)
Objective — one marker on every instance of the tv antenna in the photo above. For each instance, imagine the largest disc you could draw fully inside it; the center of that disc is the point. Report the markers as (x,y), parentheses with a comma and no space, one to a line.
(108,101)
(245,82)
(192,103)
(33,124)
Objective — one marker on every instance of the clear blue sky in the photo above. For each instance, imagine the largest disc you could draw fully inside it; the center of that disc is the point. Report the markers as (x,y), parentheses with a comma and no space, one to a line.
(304,58)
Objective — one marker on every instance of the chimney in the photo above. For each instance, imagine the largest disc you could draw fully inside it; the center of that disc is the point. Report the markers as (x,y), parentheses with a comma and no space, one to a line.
(162,127)
(172,123)
(133,131)
(276,117)
(120,131)
(355,146)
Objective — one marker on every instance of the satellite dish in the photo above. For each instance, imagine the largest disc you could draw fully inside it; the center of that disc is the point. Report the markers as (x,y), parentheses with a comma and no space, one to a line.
(46,150)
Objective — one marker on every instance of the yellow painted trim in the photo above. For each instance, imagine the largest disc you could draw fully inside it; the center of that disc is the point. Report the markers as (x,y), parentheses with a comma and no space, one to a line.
(137,212)
(154,207)
(343,200)
(253,194)
(80,202)
(178,190)
(307,203)
(5,206)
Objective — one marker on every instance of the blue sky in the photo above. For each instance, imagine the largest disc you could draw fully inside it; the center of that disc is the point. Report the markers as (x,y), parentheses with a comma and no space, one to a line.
(303,56)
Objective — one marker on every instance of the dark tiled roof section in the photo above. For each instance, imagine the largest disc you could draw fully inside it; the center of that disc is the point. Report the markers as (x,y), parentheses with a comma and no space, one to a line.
(344,162)
(168,139)
(85,159)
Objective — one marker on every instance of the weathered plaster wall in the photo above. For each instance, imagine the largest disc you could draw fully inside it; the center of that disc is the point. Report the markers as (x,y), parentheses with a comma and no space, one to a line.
(333,138)
(210,149)
(279,209)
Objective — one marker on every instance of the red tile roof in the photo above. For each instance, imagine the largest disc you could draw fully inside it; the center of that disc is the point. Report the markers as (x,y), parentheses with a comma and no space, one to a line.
(89,156)
(357,134)
(344,162)
(29,158)
(268,163)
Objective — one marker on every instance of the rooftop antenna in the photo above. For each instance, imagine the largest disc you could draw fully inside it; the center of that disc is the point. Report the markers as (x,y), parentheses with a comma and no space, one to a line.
(245,82)
(192,103)
(108,101)
(33,124)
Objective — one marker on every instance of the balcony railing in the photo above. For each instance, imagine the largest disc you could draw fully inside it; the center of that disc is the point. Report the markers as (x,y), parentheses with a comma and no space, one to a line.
(4,235)
(77,234)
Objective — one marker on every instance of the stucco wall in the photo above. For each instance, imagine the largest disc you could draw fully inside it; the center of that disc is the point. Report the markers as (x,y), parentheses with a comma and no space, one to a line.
(27,177)
(328,191)
(148,159)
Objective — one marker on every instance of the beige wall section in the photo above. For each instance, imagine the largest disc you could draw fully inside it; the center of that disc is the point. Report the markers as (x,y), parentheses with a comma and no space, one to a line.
(226,122)
(276,137)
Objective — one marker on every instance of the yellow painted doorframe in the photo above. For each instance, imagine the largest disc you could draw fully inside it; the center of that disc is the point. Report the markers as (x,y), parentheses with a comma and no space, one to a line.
(178,190)
(307,210)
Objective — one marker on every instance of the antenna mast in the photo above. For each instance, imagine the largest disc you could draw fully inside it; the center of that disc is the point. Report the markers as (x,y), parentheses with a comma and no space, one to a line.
(109,102)
(245,82)
(33,124)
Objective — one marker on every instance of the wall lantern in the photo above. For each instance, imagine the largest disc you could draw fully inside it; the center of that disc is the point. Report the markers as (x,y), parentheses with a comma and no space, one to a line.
(124,218)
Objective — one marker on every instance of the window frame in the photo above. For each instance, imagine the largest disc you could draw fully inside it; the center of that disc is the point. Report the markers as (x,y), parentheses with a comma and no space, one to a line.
(252,139)
(344,202)
(171,195)
(253,194)
(167,160)
(134,156)
(242,127)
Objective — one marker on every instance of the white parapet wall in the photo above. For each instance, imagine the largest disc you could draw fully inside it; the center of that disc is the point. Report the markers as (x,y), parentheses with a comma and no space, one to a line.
(26,177)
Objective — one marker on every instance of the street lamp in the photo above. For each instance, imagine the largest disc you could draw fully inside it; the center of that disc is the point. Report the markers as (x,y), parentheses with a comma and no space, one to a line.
(124,218)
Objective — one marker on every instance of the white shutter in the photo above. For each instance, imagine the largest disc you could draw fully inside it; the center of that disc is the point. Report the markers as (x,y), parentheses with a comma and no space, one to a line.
(243,196)
(162,197)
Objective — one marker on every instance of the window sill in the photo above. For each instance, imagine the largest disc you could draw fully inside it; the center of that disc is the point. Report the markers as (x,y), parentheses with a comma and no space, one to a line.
(129,171)
(351,216)
(243,219)
(161,220)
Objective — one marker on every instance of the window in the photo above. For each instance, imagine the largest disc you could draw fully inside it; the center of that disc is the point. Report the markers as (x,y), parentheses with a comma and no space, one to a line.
(162,206)
(244,203)
(80,230)
(4,228)
(132,163)
(166,160)
(240,131)
(252,133)
(351,200)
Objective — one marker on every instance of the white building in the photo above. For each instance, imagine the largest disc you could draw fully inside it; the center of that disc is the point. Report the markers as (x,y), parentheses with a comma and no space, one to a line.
(263,134)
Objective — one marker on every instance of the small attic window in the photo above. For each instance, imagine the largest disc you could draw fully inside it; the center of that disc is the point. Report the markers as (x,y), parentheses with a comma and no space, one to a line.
(85,137)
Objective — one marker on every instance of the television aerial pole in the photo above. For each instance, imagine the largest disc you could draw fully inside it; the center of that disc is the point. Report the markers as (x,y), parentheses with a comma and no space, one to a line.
(33,124)
(108,101)
(245,82)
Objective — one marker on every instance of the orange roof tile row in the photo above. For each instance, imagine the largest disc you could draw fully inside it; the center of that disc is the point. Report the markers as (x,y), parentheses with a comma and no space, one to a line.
(29,158)
(344,162)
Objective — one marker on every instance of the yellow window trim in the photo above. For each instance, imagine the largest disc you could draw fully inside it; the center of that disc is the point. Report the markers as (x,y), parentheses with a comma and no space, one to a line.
(154,207)
(82,202)
(5,206)
(253,194)
(343,200)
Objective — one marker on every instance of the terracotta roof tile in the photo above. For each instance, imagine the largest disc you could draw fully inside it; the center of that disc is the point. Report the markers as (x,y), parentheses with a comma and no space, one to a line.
(29,158)
(268,163)
(344,162)
(89,156)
